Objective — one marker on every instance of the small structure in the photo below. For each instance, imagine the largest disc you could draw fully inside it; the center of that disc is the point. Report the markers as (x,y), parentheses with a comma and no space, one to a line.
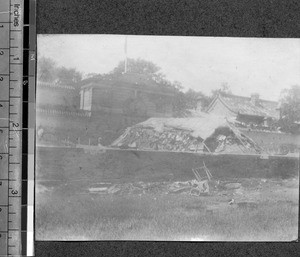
(251,111)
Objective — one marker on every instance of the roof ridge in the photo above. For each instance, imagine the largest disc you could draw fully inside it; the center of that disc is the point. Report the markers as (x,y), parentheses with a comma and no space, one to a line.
(246,97)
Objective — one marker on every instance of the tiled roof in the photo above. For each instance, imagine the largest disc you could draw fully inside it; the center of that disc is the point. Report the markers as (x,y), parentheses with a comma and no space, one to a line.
(243,105)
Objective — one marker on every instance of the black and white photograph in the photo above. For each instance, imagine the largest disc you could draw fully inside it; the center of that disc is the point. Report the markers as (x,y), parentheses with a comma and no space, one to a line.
(167,138)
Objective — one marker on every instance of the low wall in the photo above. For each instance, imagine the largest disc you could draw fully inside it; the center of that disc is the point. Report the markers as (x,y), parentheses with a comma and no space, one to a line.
(272,141)
(65,164)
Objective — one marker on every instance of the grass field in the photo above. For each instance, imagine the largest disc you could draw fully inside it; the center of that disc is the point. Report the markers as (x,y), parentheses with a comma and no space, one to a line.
(72,214)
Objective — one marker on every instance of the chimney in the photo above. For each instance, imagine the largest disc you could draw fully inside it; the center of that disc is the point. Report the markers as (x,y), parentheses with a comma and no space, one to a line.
(255,99)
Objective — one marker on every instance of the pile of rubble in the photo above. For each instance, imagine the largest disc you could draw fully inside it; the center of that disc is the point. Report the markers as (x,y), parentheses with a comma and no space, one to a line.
(197,134)
(230,140)
(171,139)
(196,187)
(139,188)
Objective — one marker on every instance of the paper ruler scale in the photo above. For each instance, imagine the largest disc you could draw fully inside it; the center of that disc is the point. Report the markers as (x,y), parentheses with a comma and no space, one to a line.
(13,190)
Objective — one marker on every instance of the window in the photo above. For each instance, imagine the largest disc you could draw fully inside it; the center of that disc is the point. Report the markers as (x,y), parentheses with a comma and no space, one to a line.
(86,99)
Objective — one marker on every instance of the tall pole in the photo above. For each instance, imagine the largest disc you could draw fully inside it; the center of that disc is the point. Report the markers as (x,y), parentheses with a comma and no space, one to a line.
(125,51)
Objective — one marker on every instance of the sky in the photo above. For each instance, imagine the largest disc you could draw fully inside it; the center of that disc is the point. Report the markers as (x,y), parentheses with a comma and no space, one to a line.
(247,65)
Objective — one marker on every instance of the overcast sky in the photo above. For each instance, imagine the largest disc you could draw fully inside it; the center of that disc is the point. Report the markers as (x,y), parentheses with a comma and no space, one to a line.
(247,65)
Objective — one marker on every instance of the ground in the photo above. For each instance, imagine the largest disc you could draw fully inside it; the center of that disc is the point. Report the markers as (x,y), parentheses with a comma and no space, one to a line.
(252,209)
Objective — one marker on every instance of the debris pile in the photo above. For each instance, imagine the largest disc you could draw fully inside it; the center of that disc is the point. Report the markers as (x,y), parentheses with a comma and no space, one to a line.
(196,134)
(171,139)
(230,140)
(192,187)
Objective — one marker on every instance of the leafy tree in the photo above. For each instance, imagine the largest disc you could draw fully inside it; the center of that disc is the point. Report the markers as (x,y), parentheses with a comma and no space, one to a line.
(290,108)
(46,69)
(136,66)
(180,105)
(68,76)
(140,66)
(193,99)
(183,102)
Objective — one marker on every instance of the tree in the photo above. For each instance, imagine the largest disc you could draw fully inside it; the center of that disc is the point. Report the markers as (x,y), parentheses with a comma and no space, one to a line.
(290,108)
(180,105)
(137,66)
(224,89)
(68,76)
(183,102)
(46,69)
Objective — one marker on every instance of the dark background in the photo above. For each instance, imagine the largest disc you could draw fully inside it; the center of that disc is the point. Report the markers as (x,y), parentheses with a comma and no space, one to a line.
(235,18)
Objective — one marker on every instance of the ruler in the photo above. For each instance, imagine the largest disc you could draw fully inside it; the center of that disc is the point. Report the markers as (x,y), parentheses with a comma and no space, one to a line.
(14,82)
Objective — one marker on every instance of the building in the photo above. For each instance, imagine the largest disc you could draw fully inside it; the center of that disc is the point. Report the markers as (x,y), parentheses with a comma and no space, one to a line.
(130,94)
(256,118)
(99,107)
(249,111)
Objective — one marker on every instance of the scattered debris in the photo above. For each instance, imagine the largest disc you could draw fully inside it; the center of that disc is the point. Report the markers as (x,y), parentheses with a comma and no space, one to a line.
(98,189)
(231,202)
(202,184)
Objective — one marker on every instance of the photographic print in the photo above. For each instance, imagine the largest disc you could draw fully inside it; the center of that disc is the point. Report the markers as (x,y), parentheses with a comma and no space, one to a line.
(167,138)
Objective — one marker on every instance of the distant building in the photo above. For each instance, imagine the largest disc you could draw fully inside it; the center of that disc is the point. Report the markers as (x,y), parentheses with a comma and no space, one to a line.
(129,94)
(247,110)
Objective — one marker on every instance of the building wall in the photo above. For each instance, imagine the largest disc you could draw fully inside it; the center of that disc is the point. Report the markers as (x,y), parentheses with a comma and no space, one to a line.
(130,102)
(219,109)
(273,141)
